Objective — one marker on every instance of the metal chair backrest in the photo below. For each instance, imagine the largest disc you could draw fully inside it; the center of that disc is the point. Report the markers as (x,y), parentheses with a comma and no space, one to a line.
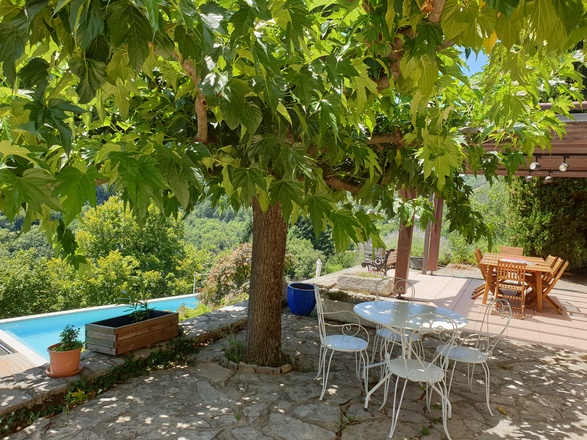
(320,313)
(429,324)
(396,287)
(487,337)
(343,322)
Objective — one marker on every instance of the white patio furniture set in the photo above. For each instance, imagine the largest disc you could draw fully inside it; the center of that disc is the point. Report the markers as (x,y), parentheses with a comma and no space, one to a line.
(405,323)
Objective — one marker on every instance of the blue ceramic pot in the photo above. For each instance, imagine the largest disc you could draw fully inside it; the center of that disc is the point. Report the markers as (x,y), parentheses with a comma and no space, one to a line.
(300,298)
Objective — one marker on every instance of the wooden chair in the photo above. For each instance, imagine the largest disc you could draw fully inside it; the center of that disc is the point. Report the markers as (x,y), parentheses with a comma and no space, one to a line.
(487,277)
(512,250)
(549,280)
(511,283)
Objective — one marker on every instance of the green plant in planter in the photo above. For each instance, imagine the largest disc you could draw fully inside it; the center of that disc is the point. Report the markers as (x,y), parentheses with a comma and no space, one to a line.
(138,301)
(68,339)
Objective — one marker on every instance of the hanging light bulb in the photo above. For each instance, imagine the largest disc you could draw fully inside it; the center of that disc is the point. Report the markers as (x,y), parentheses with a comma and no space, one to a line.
(548,179)
(535,166)
(528,178)
(564,166)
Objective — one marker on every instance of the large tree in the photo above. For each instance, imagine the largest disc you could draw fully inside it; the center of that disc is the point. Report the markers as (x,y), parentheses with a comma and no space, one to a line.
(314,108)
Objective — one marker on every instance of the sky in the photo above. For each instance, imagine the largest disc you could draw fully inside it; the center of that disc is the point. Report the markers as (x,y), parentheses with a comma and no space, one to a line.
(476,61)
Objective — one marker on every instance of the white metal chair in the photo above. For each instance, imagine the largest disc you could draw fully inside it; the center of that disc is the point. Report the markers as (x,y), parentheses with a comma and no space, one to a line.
(477,348)
(348,337)
(386,338)
(413,366)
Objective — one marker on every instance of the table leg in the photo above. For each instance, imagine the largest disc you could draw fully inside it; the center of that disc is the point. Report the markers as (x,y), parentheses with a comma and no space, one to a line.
(539,292)
(488,282)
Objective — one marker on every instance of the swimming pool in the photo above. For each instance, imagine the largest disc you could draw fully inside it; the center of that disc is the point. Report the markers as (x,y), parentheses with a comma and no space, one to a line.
(37,332)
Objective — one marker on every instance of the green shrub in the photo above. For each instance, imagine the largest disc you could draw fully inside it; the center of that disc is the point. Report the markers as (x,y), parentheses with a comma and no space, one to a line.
(229,279)
(342,260)
(304,259)
(551,218)
(186,312)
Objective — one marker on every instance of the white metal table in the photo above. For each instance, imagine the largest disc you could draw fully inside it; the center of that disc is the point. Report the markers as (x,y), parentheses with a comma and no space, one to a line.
(393,314)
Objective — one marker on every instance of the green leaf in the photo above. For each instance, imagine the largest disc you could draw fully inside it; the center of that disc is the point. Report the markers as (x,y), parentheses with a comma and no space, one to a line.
(319,207)
(390,15)
(191,42)
(233,105)
(243,21)
(35,74)
(177,169)
(441,154)
(286,192)
(33,188)
(544,19)
(344,228)
(77,185)
(139,179)
(570,12)
(87,20)
(92,75)
(452,20)
(506,7)
(7,148)
(130,27)
(509,30)
(152,7)
(13,42)
(122,98)
(246,181)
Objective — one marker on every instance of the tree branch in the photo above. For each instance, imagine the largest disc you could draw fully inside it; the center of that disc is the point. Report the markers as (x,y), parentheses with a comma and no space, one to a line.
(200,104)
(336,183)
(396,138)
(436,13)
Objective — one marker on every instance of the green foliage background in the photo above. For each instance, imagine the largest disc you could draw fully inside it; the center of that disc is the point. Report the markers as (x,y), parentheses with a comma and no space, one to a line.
(551,218)
(210,248)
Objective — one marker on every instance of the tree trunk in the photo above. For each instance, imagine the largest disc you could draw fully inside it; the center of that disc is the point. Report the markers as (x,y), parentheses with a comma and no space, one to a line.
(263,342)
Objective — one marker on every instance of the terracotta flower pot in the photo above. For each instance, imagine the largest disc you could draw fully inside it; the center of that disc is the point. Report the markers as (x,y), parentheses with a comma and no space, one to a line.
(63,363)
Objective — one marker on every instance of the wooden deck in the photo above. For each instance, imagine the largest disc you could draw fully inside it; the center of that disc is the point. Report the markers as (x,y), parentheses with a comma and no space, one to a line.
(21,360)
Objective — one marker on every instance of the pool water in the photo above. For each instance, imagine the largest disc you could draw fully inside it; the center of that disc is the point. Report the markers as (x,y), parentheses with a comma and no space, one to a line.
(39,331)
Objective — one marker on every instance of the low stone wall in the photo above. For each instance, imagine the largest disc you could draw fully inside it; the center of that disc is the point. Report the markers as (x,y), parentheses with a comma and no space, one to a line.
(337,300)
(370,285)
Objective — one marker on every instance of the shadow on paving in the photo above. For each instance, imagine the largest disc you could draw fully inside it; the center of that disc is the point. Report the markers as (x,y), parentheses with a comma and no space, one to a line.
(536,393)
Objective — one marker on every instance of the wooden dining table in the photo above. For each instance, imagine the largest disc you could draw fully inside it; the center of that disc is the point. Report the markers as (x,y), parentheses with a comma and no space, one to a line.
(535,265)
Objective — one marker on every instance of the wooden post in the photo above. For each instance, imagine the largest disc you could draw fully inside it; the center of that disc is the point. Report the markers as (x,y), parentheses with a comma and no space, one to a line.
(404,241)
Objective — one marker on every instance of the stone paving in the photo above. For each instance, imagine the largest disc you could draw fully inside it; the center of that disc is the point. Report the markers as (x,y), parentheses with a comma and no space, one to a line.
(536,392)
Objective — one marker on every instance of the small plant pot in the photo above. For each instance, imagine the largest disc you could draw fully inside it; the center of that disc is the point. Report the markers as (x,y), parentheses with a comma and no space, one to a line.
(63,363)
(416,263)
(300,298)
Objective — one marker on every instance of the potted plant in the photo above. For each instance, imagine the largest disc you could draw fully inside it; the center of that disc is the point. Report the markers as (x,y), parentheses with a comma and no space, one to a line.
(64,356)
(143,327)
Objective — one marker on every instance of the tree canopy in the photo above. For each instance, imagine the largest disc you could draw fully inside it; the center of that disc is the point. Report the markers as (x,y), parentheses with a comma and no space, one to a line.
(317,108)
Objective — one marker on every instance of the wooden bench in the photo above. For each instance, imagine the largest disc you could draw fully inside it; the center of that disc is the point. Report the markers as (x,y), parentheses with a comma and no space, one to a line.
(380,263)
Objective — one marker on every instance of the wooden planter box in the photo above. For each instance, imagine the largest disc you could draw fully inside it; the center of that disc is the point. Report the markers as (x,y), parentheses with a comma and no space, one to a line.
(121,334)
